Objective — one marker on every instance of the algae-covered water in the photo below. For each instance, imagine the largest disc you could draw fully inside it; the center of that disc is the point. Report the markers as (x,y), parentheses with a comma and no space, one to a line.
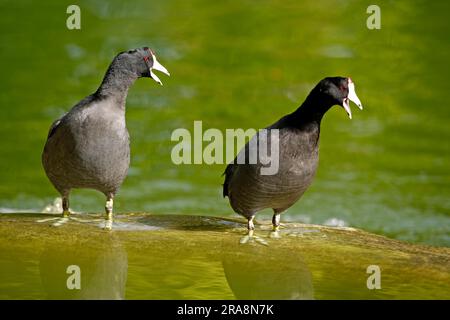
(234,64)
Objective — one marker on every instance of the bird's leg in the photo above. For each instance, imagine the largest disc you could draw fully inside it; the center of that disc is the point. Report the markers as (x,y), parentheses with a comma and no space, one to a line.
(109,212)
(250,237)
(250,228)
(109,208)
(66,213)
(250,225)
(276,221)
(275,225)
(65,205)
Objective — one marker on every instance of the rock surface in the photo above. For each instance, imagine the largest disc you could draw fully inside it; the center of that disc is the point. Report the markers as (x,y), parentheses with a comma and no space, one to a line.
(195,257)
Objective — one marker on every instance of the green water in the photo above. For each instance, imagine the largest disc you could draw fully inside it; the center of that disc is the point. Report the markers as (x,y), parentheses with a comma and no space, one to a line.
(242,64)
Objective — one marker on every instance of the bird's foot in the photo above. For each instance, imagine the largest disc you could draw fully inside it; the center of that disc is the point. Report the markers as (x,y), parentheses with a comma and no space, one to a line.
(65,218)
(251,238)
(275,234)
(108,222)
(58,221)
(278,227)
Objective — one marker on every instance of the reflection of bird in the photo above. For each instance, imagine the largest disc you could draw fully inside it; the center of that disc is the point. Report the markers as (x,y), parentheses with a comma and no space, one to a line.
(259,272)
(88,147)
(102,268)
(250,191)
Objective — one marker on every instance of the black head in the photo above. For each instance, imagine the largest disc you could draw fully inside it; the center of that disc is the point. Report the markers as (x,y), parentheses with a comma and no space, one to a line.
(336,91)
(142,62)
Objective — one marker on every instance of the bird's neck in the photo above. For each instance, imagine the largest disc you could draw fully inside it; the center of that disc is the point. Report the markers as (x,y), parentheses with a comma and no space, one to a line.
(116,83)
(310,112)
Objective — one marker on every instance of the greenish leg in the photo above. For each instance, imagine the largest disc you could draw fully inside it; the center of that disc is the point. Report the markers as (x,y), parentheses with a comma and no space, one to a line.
(109,208)
(250,237)
(276,221)
(109,212)
(250,224)
(65,205)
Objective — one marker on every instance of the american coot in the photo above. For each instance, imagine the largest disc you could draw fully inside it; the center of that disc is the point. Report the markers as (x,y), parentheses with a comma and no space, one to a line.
(89,146)
(249,191)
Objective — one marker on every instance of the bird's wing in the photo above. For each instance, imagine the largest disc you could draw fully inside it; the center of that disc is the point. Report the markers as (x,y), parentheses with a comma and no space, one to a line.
(54,127)
(233,166)
(82,104)
(228,175)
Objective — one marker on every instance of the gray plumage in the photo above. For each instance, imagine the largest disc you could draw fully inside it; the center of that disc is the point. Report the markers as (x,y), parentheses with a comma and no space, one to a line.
(249,191)
(89,146)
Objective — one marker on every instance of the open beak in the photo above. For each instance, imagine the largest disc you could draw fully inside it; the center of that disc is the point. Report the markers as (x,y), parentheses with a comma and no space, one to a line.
(157,66)
(351,97)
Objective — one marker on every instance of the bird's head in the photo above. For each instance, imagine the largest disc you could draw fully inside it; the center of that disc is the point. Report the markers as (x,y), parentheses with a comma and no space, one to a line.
(338,90)
(142,61)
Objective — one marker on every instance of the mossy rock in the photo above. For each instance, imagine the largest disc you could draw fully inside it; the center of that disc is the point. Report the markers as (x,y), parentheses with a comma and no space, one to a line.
(149,256)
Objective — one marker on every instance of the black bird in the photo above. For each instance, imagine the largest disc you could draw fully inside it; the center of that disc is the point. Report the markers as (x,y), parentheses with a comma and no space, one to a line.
(250,191)
(89,146)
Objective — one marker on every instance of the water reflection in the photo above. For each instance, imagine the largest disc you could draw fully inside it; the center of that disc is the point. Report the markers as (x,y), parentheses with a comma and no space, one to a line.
(103,268)
(266,272)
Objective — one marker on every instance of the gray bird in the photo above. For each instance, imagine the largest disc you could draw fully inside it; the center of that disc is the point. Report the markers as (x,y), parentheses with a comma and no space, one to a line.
(250,191)
(89,147)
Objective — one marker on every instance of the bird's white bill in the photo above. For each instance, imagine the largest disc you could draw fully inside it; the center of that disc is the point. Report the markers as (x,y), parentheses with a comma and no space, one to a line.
(346,105)
(155,77)
(352,95)
(157,66)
